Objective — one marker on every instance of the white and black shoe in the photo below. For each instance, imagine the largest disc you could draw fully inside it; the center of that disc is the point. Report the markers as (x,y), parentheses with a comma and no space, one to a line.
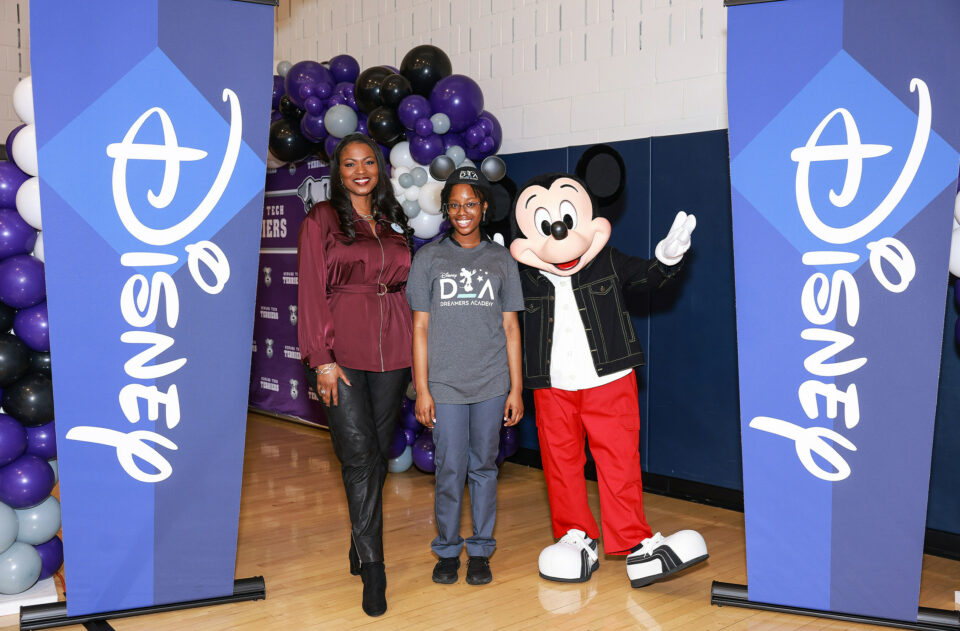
(573,559)
(658,557)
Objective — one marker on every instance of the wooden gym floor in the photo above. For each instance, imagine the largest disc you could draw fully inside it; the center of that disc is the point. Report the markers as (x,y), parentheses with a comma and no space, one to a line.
(294,531)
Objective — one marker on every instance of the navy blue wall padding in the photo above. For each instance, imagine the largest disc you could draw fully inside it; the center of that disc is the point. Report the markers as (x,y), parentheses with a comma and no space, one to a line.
(689,393)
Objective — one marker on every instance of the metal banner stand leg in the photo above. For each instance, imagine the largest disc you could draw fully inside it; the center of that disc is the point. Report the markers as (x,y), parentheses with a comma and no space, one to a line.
(927,619)
(54,615)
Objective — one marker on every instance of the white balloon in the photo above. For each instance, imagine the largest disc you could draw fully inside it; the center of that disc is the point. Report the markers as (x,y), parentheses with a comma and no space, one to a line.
(412,193)
(38,248)
(23,100)
(28,202)
(430,197)
(398,171)
(398,191)
(955,253)
(425,225)
(956,208)
(24,150)
(400,155)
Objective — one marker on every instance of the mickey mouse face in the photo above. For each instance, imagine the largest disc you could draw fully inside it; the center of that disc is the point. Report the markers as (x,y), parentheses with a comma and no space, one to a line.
(559,231)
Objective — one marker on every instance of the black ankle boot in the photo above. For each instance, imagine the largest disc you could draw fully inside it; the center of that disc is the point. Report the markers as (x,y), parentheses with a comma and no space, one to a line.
(354,559)
(374,588)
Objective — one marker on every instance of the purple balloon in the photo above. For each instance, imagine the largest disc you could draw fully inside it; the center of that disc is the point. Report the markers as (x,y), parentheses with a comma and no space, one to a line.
(16,235)
(323,90)
(330,144)
(275,115)
(510,440)
(13,439)
(413,108)
(486,146)
(344,89)
(407,405)
(362,125)
(424,127)
(13,133)
(11,178)
(495,131)
(51,557)
(42,441)
(424,451)
(408,420)
(460,98)
(33,327)
(305,73)
(344,68)
(452,138)
(22,283)
(398,443)
(313,105)
(473,135)
(501,454)
(313,128)
(26,481)
(425,148)
(336,99)
(306,91)
(410,435)
(277,91)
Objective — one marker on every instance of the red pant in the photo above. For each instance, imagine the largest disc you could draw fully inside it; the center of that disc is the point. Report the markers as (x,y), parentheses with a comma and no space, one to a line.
(610,417)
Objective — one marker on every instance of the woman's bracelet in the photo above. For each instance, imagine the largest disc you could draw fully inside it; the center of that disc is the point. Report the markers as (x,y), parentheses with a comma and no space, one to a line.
(326,369)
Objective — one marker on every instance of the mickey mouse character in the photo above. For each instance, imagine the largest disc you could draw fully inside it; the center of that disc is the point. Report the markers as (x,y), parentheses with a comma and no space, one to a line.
(580,351)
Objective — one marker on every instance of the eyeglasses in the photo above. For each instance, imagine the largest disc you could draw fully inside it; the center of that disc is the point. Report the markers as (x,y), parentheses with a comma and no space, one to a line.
(453,207)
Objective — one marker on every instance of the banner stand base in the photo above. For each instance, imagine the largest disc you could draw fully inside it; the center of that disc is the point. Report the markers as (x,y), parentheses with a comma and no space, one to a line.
(54,615)
(927,619)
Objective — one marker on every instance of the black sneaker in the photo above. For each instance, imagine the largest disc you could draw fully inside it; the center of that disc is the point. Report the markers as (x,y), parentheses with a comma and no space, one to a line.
(478,571)
(445,571)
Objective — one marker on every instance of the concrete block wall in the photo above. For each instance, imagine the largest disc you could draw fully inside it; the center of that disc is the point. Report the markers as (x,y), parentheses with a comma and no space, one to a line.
(555,72)
(14,58)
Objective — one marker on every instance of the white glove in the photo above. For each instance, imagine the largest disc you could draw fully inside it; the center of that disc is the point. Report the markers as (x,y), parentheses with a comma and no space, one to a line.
(672,248)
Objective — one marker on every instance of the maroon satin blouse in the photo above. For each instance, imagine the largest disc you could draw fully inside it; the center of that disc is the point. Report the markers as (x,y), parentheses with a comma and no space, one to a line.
(352,305)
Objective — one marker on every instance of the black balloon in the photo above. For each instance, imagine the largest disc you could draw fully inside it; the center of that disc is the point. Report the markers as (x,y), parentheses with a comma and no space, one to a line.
(289,110)
(30,400)
(394,89)
(366,90)
(14,359)
(287,143)
(384,126)
(6,317)
(423,66)
(40,362)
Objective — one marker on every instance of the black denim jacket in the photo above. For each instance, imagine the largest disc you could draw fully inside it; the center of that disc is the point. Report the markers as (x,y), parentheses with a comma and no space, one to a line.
(598,289)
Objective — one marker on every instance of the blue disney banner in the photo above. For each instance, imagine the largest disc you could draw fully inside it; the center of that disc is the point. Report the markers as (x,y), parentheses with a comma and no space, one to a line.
(152,137)
(844,136)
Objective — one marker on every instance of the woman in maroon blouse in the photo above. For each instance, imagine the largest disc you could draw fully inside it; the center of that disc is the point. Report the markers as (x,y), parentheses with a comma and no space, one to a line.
(355,332)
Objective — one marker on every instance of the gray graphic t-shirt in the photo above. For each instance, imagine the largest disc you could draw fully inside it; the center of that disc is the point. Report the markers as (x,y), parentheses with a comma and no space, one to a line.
(465,291)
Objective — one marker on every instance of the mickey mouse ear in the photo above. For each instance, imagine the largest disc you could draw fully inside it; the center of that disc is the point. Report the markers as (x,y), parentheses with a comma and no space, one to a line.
(503,193)
(602,168)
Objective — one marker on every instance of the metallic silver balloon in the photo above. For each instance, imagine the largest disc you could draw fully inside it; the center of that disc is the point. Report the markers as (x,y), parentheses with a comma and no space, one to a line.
(283,68)
(493,168)
(442,167)
(419,176)
(340,120)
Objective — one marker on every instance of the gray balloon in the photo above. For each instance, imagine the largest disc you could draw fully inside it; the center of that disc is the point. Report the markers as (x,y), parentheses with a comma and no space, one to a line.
(419,176)
(402,462)
(56,470)
(405,180)
(9,526)
(457,154)
(411,207)
(441,123)
(39,523)
(283,68)
(340,120)
(442,167)
(493,168)
(20,568)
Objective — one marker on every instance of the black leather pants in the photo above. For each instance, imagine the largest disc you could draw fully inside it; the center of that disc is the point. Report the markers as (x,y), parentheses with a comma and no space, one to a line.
(361,428)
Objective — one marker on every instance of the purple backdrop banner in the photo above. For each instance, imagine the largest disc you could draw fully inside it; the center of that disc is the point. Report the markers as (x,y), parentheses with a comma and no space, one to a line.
(844,139)
(277,379)
(152,121)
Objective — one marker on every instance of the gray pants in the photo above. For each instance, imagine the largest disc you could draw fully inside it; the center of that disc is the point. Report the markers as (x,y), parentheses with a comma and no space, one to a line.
(467,438)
